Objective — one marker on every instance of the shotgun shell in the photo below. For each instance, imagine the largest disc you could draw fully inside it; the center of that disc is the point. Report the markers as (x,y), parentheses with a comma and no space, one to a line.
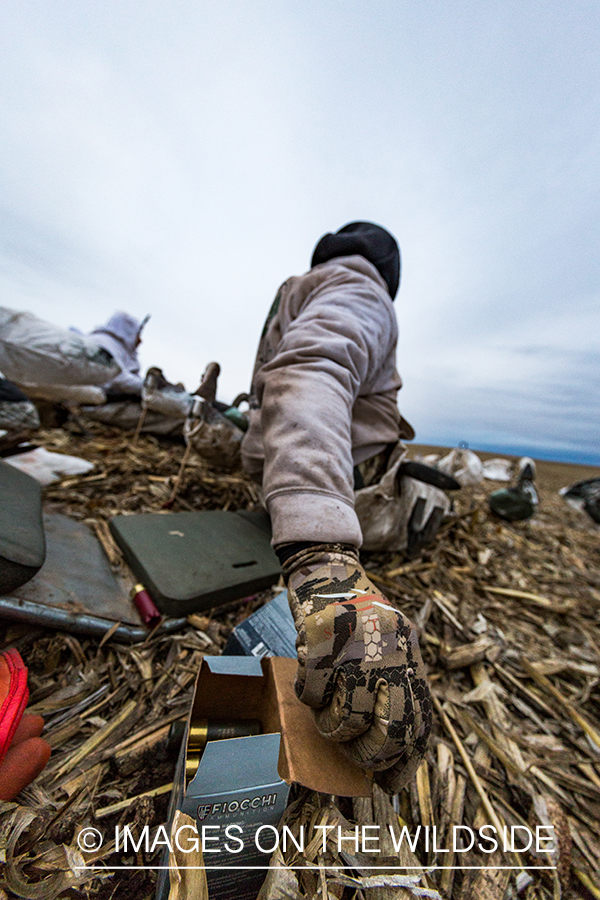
(202,731)
(144,604)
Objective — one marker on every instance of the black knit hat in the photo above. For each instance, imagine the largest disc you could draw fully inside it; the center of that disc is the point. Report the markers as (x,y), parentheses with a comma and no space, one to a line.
(363,239)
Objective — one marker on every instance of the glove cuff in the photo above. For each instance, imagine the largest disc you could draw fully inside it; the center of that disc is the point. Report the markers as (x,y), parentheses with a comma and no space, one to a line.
(286,551)
(318,554)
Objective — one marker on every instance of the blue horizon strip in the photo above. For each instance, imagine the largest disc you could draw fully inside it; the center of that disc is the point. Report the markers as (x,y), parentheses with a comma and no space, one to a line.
(573,457)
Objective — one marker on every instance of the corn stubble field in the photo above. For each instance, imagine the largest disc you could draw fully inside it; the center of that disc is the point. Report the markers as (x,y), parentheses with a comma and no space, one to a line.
(508,616)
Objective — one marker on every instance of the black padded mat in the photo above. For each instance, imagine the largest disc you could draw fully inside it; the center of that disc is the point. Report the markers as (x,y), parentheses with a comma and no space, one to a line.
(194,561)
(22,544)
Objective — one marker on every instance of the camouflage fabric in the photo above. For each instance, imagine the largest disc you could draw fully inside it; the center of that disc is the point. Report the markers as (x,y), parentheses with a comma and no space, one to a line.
(359,664)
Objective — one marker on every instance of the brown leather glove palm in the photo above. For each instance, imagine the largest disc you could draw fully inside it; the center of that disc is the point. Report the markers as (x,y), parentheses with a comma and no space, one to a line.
(359,664)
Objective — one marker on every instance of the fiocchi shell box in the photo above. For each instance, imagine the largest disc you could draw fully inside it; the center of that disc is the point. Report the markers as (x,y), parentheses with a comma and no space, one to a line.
(243,783)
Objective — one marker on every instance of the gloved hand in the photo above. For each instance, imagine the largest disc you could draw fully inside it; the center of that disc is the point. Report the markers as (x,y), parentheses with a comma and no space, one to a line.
(26,757)
(359,664)
(23,753)
(404,509)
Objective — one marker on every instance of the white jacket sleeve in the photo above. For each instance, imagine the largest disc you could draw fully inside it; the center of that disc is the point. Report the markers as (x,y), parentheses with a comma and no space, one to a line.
(32,350)
(328,354)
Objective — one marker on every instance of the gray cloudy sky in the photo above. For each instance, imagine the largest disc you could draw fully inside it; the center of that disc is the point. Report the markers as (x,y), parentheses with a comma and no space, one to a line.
(183,158)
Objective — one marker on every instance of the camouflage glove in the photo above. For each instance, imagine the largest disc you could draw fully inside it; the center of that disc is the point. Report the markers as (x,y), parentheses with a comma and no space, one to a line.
(359,664)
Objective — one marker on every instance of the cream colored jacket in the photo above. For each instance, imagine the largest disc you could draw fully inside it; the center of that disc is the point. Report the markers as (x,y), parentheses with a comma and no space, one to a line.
(323,398)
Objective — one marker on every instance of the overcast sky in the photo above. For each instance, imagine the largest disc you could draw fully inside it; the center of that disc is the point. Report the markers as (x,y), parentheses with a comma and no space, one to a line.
(183,158)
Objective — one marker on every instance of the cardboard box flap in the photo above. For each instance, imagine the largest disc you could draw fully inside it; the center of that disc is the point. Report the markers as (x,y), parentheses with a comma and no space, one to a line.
(229,694)
(234,665)
(305,756)
(223,769)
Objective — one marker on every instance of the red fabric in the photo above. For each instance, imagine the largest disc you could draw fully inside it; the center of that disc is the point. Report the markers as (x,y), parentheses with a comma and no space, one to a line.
(14,695)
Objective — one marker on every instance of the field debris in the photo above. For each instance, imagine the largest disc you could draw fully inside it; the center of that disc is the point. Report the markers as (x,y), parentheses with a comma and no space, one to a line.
(508,616)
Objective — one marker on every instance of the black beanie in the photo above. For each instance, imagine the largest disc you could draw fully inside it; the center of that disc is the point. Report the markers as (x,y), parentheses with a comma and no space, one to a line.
(363,239)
